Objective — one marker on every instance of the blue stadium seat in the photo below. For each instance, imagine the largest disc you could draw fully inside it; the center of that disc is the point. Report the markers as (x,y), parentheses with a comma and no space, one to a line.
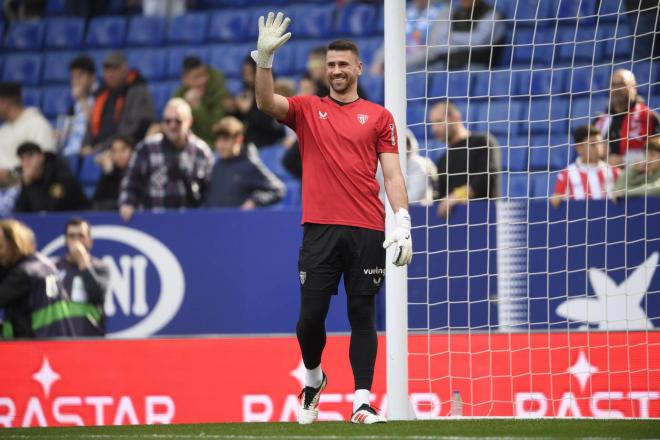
(514,158)
(65,33)
(188,28)
(616,46)
(374,87)
(608,10)
(259,11)
(539,115)
(177,54)
(150,62)
(107,31)
(416,112)
(31,96)
(90,171)
(356,20)
(234,86)
(458,84)
(55,7)
(229,57)
(581,80)
(518,185)
(215,4)
(23,67)
(416,85)
(559,113)
(146,31)
(541,185)
(312,21)
(292,198)
(162,92)
(560,81)
(283,64)
(501,83)
(500,116)
(57,63)
(437,83)
(98,55)
(56,100)
(539,156)
(271,156)
(368,48)
(560,157)
(229,25)
(301,48)
(25,35)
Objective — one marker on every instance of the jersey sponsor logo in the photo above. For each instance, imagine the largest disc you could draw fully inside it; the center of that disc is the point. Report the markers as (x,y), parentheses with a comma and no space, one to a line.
(323,115)
(392,134)
(614,306)
(303,277)
(147,283)
(362,118)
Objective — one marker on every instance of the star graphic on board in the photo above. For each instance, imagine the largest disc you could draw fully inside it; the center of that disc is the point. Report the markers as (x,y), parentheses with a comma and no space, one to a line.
(582,370)
(299,373)
(615,306)
(46,376)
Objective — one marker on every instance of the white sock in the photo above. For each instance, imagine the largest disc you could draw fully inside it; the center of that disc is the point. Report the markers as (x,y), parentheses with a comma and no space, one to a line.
(313,378)
(361,397)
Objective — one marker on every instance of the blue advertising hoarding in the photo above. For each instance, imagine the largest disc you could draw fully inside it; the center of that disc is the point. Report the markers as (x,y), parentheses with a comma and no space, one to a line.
(493,266)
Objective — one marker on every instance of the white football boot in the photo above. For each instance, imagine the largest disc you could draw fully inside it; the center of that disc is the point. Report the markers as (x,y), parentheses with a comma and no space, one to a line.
(309,402)
(367,415)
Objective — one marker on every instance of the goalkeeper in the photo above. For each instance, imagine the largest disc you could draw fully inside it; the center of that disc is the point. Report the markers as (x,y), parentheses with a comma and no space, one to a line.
(341,139)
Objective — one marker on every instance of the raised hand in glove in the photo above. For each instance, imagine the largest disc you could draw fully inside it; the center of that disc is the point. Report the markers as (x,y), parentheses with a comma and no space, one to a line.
(271,36)
(401,239)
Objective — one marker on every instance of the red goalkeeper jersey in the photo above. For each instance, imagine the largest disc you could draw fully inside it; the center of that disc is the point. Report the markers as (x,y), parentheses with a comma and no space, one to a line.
(339,146)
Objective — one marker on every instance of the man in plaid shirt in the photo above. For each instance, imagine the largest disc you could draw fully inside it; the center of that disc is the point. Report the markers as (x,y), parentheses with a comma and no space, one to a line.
(169,169)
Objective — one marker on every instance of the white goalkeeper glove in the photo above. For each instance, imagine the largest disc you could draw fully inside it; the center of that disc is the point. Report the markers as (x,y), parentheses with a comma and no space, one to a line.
(271,36)
(401,238)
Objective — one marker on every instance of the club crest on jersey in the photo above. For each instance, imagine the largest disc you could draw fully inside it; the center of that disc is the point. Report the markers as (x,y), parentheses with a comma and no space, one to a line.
(362,118)
(323,115)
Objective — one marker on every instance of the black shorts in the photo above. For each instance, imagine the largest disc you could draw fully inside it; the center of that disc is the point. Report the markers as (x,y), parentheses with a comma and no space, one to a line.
(328,251)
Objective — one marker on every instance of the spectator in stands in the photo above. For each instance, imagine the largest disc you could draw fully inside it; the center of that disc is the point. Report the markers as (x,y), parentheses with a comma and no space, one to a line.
(239,178)
(468,33)
(114,164)
(85,278)
(123,105)
(29,286)
(86,9)
(21,125)
(203,86)
(260,129)
(421,174)
(470,167)
(169,169)
(83,81)
(163,8)
(46,182)
(589,177)
(628,122)
(419,15)
(641,178)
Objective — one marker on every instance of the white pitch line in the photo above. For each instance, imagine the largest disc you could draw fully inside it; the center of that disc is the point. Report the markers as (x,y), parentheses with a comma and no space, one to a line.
(281,437)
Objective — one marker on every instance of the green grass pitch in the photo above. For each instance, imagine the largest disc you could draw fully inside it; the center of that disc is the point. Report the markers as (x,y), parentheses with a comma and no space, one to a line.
(422,430)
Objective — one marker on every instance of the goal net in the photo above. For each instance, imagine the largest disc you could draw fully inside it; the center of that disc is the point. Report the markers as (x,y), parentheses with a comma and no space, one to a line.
(518,306)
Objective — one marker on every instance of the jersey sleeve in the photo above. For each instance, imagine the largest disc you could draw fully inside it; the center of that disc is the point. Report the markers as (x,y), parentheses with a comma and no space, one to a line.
(562,183)
(295,111)
(387,136)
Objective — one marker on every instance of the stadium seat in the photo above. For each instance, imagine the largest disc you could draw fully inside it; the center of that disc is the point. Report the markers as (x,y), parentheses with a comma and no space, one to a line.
(177,54)
(234,86)
(24,68)
(518,185)
(368,48)
(162,92)
(90,172)
(609,10)
(106,31)
(215,4)
(228,58)
(356,20)
(150,62)
(539,156)
(514,158)
(229,25)
(57,63)
(55,7)
(283,64)
(259,11)
(560,157)
(374,87)
(56,100)
(31,96)
(581,79)
(188,28)
(292,198)
(25,35)
(416,113)
(540,185)
(271,156)
(301,48)
(416,85)
(146,31)
(380,24)
(437,83)
(65,33)
(458,84)
(98,55)
(501,83)
(312,21)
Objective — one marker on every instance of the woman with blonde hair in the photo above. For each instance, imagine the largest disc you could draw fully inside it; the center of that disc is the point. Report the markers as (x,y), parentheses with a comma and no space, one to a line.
(31,295)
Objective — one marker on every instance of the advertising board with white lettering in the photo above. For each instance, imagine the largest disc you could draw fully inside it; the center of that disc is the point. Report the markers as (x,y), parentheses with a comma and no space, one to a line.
(76,383)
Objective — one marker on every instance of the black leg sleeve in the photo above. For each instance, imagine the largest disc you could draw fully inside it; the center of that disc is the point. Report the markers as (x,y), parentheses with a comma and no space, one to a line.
(364,341)
(311,328)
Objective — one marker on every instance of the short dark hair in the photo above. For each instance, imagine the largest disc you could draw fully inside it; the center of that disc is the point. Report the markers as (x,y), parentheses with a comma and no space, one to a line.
(583,132)
(28,148)
(11,91)
(78,221)
(341,45)
(318,50)
(83,62)
(124,138)
(191,62)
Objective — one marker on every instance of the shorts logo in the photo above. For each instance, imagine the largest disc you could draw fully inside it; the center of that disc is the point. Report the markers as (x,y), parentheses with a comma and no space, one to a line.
(362,118)
(377,281)
(303,277)
(323,115)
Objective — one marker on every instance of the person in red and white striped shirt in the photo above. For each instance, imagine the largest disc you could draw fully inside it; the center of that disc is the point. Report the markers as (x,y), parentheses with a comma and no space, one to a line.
(589,177)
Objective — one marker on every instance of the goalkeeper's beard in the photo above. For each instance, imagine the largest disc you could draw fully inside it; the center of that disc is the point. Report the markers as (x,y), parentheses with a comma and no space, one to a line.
(348,84)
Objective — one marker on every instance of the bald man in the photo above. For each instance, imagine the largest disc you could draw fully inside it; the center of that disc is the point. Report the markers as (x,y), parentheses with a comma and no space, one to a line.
(628,122)
(469,168)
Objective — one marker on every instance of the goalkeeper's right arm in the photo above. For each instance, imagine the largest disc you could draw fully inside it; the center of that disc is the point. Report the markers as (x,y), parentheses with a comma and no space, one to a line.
(271,36)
